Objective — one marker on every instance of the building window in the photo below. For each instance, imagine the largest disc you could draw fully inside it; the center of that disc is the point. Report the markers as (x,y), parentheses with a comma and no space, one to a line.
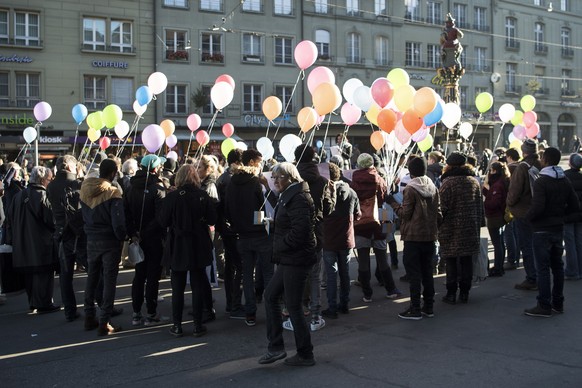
(381,45)
(95,32)
(510,71)
(566,84)
(252,6)
(540,72)
(481,59)
(354,41)
(283,7)
(211,5)
(27,29)
(564,5)
(540,47)
(510,33)
(322,41)
(412,10)
(283,51)
(208,107)
(176,101)
(252,98)
(433,12)
(380,7)
(321,6)
(121,36)
(460,12)
(463,57)
(94,90)
(122,92)
(252,50)
(211,48)
(284,93)
(567,50)
(353,7)
(433,56)
(481,19)
(4,27)
(176,45)
(4,90)
(412,54)
(176,3)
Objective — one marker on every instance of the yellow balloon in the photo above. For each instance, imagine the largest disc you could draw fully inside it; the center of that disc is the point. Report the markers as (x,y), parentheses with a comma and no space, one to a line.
(93,134)
(372,113)
(404,97)
(272,107)
(425,144)
(168,126)
(398,77)
(517,118)
(306,118)
(326,97)
(516,144)
(527,102)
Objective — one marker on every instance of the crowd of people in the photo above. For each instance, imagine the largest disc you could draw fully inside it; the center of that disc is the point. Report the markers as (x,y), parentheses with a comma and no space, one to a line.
(286,238)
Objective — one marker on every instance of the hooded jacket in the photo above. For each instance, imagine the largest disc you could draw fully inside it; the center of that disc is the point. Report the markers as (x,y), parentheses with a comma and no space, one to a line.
(575,177)
(495,197)
(338,227)
(56,191)
(146,191)
(371,190)
(519,192)
(102,208)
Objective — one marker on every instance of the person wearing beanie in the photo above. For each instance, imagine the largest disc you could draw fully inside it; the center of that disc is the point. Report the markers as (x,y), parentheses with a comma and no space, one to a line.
(456,159)
(573,223)
(93,168)
(519,198)
(419,215)
(553,199)
(167,175)
(365,161)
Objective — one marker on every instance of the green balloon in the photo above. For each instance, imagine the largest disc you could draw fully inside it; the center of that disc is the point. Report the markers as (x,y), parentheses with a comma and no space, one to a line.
(527,103)
(484,102)
(95,120)
(112,115)
(227,146)
(517,118)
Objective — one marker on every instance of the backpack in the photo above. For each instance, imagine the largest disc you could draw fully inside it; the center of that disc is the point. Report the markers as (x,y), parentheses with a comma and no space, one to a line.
(71,202)
(533,173)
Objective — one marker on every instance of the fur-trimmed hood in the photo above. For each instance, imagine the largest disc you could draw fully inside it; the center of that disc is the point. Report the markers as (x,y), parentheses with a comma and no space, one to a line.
(95,191)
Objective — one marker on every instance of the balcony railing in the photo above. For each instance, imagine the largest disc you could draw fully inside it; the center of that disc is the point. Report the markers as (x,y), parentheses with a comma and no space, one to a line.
(567,52)
(569,93)
(512,89)
(212,57)
(415,63)
(511,44)
(324,57)
(481,27)
(383,62)
(252,58)
(542,92)
(412,17)
(540,48)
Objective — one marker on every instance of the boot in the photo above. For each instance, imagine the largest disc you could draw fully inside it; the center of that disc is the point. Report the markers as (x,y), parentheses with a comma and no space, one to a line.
(450,297)
(107,328)
(464,297)
(364,277)
(91,322)
(199,329)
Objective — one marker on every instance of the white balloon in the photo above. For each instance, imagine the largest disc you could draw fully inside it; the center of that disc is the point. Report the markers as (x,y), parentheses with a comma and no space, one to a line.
(139,109)
(172,155)
(390,141)
(506,112)
(157,82)
(221,94)
(511,138)
(451,114)
(29,134)
(269,153)
(263,145)
(363,98)
(121,129)
(241,145)
(400,148)
(349,88)
(287,146)
(465,130)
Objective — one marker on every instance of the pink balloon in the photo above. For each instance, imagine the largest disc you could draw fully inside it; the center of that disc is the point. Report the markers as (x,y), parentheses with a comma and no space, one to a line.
(401,133)
(228,129)
(533,130)
(421,134)
(529,118)
(350,114)
(320,119)
(225,78)
(194,121)
(153,137)
(305,54)
(171,141)
(104,143)
(519,132)
(42,111)
(318,76)
(382,91)
(202,137)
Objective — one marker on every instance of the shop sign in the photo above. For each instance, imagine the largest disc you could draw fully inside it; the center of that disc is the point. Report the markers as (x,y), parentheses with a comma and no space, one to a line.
(114,64)
(15,58)
(17,119)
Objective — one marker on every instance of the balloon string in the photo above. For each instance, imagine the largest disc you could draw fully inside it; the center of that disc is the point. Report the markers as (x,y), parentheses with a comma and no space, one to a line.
(268,126)
(189,144)
(75,142)
(201,149)
(498,136)
(325,137)
(82,149)
(134,127)
(447,142)
(475,130)
(300,76)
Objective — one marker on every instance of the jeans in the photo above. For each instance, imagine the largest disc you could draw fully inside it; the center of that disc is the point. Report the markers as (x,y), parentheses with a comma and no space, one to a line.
(548,250)
(255,251)
(573,245)
(197,280)
(393,248)
(147,277)
(67,258)
(418,261)
(315,286)
(496,236)
(364,270)
(525,235)
(459,274)
(232,273)
(511,243)
(288,281)
(337,263)
(103,258)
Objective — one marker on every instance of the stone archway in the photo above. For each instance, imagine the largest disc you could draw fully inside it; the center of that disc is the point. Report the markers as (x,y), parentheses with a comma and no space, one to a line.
(566,131)
(545,123)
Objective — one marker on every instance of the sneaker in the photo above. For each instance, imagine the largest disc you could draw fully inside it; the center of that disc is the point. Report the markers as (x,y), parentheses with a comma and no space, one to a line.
(317,323)
(107,328)
(538,311)
(47,310)
(411,314)
(271,357)
(251,320)
(176,331)
(427,312)
(136,319)
(238,314)
(510,266)
(72,317)
(366,299)
(394,294)
(527,285)
(323,286)
(155,319)
(299,361)
(199,330)
(450,298)
(287,325)
(328,313)
(394,266)
(558,309)
(404,278)
(356,283)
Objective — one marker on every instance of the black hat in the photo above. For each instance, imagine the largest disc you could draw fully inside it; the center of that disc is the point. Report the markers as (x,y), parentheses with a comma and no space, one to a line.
(417,166)
(170,165)
(456,159)
(529,147)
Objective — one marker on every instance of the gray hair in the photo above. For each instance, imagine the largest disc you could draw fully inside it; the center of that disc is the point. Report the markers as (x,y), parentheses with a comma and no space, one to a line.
(66,160)
(39,173)
(289,170)
(129,167)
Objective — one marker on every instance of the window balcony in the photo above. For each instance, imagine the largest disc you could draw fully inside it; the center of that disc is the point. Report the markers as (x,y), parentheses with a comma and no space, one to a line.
(511,44)
(481,27)
(252,58)
(541,92)
(541,49)
(355,60)
(212,58)
(512,89)
(568,93)
(179,55)
(412,17)
(382,62)
(324,57)
(567,52)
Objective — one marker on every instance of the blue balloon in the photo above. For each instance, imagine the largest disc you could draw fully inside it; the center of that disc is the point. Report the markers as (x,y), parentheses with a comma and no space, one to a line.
(434,116)
(319,144)
(79,113)
(143,95)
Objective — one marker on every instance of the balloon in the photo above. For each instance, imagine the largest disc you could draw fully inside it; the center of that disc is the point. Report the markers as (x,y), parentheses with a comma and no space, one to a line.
(194,121)
(435,116)
(268,154)
(424,101)
(172,155)
(451,114)
(387,120)
(221,95)
(42,111)
(139,109)
(506,112)
(349,89)
(372,113)
(227,146)
(527,102)
(306,118)
(157,82)
(287,146)
(516,144)
(95,120)
(326,98)
(318,76)
(377,140)
(29,134)
(484,102)
(519,132)
(226,78)
(241,145)
(398,77)
(465,130)
(171,141)
(320,119)
(529,118)
(93,134)
(79,113)
(104,143)
(420,134)
(412,121)
(319,144)
(404,97)
(363,98)
(382,91)
(143,95)
(511,137)
(533,130)
(153,137)
(168,126)
(202,137)
(402,135)
(272,107)
(228,130)
(112,114)
(305,54)
(517,117)
(350,114)
(425,144)
(263,145)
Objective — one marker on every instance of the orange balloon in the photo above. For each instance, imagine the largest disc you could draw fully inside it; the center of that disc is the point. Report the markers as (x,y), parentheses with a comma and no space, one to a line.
(272,107)
(326,97)
(412,121)
(307,118)
(168,126)
(425,100)
(387,120)
(377,140)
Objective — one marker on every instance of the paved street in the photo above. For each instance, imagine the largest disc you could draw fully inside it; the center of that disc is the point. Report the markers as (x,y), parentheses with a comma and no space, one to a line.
(486,343)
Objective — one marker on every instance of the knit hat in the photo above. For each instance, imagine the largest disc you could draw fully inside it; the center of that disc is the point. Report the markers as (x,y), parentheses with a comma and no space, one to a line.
(529,147)
(417,166)
(170,165)
(365,160)
(456,159)
(150,161)
(576,161)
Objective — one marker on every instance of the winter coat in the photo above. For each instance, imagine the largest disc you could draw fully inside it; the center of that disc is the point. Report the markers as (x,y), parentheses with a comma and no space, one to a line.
(338,227)
(56,191)
(188,212)
(31,228)
(519,193)
(102,208)
(494,203)
(222,225)
(553,198)
(462,209)
(209,185)
(371,190)
(420,211)
(145,195)
(294,239)
(575,177)
(434,171)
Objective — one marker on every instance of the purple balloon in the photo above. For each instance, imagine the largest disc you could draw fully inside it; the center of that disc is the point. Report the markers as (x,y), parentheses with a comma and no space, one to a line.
(42,111)
(153,137)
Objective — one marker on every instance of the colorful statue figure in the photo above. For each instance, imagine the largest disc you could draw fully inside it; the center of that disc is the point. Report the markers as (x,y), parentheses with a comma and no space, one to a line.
(451,48)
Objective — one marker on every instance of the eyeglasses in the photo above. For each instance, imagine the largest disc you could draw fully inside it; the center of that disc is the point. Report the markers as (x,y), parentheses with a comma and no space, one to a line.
(278,177)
